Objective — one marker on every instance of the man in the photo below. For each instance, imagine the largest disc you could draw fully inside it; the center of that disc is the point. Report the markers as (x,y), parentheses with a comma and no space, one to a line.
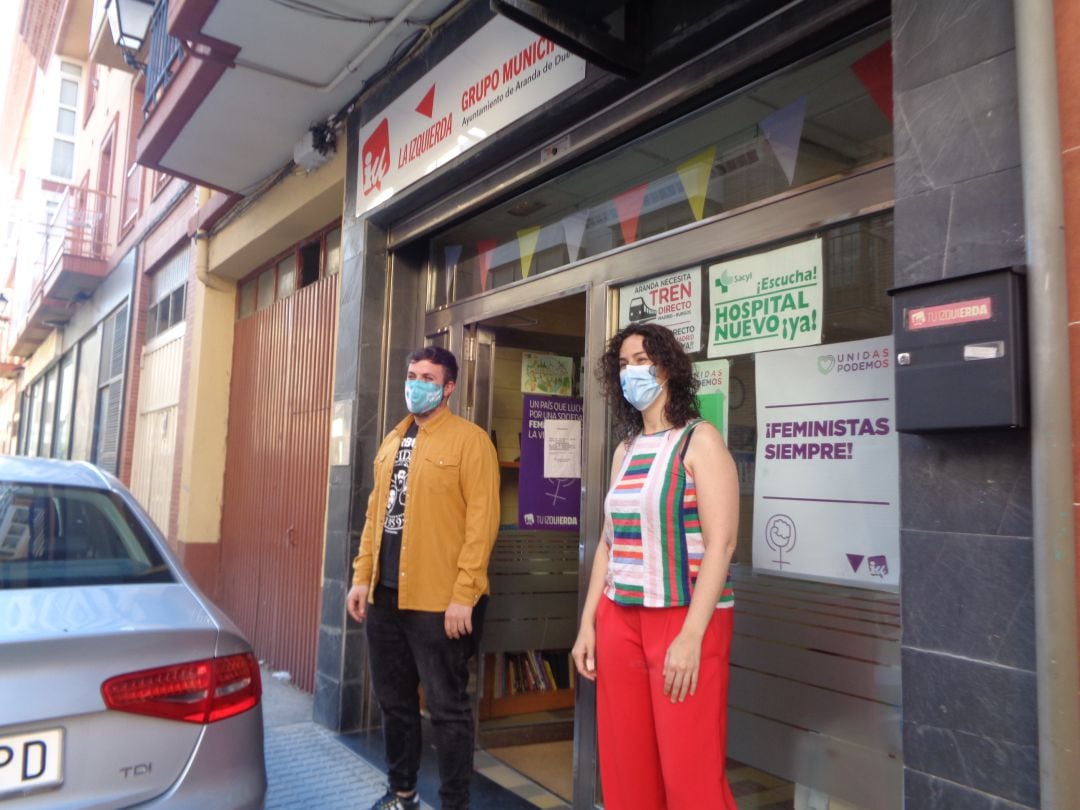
(420,579)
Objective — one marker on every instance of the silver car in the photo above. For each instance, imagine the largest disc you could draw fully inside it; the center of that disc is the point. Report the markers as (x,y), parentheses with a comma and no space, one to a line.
(120,684)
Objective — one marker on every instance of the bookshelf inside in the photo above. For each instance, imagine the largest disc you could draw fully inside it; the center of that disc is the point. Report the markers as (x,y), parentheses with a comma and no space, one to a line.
(493,705)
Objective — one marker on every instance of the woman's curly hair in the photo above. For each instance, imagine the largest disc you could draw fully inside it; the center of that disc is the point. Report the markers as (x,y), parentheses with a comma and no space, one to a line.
(667,354)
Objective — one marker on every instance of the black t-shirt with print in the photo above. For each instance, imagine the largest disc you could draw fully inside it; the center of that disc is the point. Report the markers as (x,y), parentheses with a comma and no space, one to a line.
(390,551)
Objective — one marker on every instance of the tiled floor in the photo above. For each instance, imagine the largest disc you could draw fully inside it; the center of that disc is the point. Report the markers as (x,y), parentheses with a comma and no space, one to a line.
(516,782)
(753,789)
(296,748)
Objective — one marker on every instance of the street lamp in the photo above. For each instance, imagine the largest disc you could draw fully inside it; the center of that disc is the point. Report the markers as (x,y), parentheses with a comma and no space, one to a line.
(128,21)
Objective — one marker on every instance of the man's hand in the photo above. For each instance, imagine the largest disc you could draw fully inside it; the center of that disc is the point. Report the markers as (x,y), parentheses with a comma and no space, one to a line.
(356,602)
(458,620)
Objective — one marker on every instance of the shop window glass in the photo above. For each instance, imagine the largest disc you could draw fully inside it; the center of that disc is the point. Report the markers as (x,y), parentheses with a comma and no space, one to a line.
(33,429)
(333,252)
(65,404)
(816,121)
(85,395)
(309,263)
(247,298)
(286,277)
(266,288)
(48,413)
(857,271)
(168,289)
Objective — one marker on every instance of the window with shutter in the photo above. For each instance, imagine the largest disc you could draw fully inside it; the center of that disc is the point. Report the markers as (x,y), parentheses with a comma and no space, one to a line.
(110,397)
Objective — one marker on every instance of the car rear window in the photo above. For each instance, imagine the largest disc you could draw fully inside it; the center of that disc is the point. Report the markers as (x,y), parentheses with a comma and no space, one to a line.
(54,536)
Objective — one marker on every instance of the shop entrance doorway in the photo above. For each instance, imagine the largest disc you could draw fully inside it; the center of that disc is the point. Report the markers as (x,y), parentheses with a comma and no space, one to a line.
(525,379)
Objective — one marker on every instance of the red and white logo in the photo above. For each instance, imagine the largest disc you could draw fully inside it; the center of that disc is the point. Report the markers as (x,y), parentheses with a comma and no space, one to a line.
(975,309)
(375,158)
(426,107)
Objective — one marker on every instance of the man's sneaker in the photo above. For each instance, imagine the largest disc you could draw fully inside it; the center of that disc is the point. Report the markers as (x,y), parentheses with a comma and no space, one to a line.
(391,801)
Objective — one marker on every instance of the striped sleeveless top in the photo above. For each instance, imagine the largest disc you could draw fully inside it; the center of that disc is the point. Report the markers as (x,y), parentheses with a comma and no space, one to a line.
(652,528)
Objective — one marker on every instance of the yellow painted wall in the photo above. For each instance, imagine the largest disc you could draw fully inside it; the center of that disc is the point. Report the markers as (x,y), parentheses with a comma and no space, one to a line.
(206,417)
(290,211)
(48,351)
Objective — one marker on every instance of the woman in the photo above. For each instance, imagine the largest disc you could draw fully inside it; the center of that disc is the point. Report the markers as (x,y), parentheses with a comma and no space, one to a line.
(656,628)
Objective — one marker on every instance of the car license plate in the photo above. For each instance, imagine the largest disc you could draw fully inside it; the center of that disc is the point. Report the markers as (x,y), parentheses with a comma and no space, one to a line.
(30,762)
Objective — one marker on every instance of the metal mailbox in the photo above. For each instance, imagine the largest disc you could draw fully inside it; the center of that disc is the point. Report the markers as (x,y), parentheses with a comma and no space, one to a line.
(961,353)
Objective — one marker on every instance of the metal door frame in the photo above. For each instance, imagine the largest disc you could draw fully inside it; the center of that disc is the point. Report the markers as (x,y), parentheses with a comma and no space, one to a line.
(865,191)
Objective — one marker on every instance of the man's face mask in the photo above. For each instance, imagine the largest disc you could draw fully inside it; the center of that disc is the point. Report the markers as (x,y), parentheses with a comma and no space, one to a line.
(422,396)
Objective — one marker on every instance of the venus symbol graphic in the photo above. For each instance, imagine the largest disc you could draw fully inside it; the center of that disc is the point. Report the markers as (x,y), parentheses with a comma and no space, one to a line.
(780,536)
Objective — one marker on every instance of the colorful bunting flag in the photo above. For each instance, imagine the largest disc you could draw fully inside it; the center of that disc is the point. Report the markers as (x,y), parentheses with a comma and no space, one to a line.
(695,174)
(484,249)
(783,131)
(527,239)
(452,255)
(574,230)
(874,70)
(628,206)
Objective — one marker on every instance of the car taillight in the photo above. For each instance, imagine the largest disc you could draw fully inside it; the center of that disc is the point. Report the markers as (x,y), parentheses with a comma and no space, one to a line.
(194,692)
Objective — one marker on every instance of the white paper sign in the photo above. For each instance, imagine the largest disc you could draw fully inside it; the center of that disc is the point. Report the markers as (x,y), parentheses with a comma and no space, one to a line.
(497,76)
(826,474)
(672,300)
(562,448)
(766,301)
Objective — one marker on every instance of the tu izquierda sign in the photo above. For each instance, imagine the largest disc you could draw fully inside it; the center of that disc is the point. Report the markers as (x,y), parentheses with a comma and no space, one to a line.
(497,76)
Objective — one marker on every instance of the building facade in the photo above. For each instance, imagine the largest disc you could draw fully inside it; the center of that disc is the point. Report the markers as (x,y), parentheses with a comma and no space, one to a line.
(801,190)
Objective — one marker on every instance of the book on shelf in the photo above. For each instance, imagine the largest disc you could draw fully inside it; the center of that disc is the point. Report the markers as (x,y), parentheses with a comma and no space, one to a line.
(532,671)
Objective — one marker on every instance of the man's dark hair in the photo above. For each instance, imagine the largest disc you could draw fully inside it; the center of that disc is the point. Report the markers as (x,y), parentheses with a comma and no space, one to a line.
(666,353)
(439,356)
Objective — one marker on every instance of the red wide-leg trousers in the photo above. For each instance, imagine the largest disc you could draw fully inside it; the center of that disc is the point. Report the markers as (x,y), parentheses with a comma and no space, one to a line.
(655,754)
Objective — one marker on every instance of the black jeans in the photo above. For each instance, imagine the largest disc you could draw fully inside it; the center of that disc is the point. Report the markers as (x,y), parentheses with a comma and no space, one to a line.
(408,648)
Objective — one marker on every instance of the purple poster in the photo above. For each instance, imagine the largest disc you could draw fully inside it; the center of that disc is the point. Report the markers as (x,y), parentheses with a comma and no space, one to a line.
(550,448)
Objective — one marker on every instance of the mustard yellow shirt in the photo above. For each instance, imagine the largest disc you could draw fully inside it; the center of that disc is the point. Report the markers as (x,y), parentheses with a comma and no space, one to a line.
(451,514)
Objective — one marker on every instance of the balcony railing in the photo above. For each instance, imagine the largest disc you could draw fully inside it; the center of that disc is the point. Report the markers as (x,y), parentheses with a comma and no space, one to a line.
(79,228)
(71,264)
(164,57)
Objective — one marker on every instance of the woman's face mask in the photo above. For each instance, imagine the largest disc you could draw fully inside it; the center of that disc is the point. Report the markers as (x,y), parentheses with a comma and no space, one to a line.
(422,396)
(639,385)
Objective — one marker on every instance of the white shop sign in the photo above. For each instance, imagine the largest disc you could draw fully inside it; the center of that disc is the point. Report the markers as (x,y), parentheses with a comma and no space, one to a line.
(672,300)
(827,468)
(497,76)
(767,301)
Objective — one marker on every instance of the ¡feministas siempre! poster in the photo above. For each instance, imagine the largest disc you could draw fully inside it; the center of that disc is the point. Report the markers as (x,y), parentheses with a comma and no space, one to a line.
(549,481)
(827,469)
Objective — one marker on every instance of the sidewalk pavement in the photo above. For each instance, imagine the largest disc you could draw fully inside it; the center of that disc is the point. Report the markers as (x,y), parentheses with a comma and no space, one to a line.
(306,766)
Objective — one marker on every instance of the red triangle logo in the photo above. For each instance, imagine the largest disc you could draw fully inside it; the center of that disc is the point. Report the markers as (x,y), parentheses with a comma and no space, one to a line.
(427,103)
